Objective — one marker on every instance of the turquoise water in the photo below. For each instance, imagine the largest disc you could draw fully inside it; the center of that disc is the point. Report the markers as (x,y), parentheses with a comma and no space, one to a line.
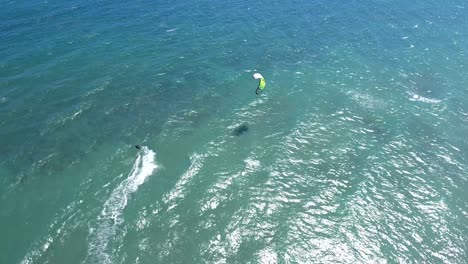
(356,152)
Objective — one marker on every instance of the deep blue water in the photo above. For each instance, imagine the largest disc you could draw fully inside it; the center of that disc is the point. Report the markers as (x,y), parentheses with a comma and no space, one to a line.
(356,152)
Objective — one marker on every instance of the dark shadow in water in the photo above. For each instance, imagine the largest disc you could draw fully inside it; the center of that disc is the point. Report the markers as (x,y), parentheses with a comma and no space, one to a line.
(378,127)
(242,129)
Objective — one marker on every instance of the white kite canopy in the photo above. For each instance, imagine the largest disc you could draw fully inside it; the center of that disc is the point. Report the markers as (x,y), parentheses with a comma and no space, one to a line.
(257,76)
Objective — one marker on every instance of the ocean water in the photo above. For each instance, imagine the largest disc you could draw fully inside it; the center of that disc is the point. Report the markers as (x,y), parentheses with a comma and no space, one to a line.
(356,152)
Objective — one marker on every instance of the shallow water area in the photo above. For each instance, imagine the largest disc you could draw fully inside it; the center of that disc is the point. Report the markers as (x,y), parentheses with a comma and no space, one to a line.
(355,152)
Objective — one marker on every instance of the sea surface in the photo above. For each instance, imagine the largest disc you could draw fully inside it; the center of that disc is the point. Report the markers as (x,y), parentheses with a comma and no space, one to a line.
(356,151)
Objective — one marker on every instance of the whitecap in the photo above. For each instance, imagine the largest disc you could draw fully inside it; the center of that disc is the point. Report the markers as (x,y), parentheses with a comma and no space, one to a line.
(415,97)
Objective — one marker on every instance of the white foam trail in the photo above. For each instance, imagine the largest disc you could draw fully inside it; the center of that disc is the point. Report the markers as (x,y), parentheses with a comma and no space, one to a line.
(111,214)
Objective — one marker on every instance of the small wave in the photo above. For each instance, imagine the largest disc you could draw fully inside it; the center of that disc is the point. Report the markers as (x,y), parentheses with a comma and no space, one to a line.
(252,111)
(366,100)
(252,164)
(179,123)
(415,97)
(55,231)
(62,119)
(101,87)
(111,214)
(177,193)
(42,162)
(267,255)
(73,115)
